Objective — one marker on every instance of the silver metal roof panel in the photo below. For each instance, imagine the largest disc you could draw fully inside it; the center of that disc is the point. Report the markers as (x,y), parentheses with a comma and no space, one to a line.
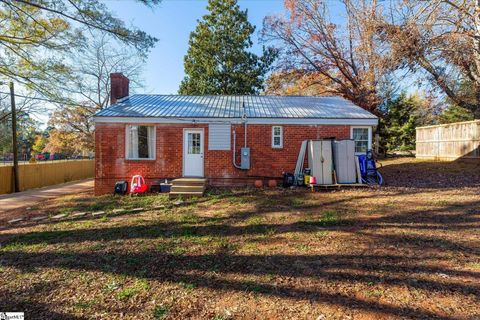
(177,106)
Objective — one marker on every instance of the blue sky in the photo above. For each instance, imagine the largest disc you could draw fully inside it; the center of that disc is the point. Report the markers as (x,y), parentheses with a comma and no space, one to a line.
(171,22)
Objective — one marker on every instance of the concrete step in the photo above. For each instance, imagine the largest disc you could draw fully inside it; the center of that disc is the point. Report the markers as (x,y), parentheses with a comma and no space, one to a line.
(185,194)
(189,182)
(190,188)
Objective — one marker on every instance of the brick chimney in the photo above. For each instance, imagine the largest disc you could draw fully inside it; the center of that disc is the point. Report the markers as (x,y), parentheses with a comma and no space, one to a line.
(118,86)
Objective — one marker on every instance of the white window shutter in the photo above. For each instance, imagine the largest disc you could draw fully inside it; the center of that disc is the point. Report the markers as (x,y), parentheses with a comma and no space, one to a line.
(219,136)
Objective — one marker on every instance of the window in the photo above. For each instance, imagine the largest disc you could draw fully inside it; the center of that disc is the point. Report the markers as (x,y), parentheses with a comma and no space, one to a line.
(277,137)
(140,142)
(194,143)
(361,136)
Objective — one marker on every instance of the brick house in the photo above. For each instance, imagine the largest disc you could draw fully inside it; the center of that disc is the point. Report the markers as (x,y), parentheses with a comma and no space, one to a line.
(172,136)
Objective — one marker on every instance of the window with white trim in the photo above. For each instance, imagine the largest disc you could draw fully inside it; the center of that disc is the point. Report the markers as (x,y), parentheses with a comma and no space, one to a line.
(361,136)
(277,137)
(140,142)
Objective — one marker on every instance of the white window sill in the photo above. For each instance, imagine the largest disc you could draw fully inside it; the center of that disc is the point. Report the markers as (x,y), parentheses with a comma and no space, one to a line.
(140,159)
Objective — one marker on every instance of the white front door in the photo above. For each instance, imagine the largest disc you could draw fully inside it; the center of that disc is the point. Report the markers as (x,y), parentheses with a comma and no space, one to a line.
(193,152)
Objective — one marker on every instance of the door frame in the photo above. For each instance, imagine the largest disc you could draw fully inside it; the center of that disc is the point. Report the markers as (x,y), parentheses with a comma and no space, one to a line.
(202,149)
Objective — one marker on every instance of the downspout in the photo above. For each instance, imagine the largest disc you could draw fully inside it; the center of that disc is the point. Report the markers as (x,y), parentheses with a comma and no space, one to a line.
(245,142)
(234,148)
(244,117)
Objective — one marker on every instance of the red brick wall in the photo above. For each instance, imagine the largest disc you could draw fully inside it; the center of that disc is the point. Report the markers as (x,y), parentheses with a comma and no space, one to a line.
(111,166)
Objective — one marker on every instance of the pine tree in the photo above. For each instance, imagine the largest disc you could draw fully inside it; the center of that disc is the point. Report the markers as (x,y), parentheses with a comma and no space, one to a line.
(455,113)
(218,60)
(402,115)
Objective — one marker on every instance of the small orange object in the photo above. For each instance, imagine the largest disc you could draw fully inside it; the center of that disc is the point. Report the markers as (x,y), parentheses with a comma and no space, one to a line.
(272,183)
(258,183)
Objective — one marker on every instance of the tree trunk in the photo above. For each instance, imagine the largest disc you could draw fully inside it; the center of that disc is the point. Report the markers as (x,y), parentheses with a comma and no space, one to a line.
(476,43)
(476,112)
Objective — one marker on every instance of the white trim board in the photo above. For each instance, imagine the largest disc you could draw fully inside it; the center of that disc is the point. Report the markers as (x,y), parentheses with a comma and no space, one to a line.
(279,121)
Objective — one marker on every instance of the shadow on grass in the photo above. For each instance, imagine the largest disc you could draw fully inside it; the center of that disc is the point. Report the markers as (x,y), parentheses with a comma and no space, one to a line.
(447,218)
(193,269)
(25,301)
(312,272)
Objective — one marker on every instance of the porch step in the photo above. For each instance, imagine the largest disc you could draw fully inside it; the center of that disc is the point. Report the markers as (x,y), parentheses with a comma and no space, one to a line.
(188,187)
(185,194)
(189,182)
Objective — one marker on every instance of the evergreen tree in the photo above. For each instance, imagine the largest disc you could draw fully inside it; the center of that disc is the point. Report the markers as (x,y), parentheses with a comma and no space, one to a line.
(455,113)
(402,115)
(218,60)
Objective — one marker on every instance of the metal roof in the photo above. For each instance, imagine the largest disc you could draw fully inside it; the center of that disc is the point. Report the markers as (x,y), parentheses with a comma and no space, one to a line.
(178,106)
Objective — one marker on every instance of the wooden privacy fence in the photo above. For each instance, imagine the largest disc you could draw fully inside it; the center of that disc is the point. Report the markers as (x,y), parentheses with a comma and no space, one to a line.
(449,141)
(41,174)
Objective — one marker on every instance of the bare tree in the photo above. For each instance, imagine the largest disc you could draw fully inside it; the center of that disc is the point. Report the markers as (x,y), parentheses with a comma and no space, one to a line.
(297,82)
(88,90)
(440,38)
(35,35)
(348,58)
(91,69)
(25,105)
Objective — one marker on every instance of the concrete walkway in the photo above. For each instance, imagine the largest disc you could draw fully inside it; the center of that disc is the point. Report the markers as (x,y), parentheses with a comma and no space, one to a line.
(30,197)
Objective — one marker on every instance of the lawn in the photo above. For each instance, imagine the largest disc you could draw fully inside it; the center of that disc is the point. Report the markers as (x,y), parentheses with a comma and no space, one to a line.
(409,250)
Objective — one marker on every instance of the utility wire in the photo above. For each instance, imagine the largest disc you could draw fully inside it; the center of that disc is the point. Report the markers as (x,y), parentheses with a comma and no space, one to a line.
(190,120)
(44,99)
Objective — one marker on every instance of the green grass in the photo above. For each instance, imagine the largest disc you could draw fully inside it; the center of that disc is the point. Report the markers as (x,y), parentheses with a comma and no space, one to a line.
(111,286)
(225,245)
(178,251)
(256,287)
(138,287)
(163,247)
(303,247)
(321,234)
(188,285)
(330,218)
(221,317)
(85,304)
(298,202)
(327,219)
(107,203)
(20,246)
(160,312)
(475,265)
(254,220)
(374,293)
(66,211)
(190,218)
(97,246)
